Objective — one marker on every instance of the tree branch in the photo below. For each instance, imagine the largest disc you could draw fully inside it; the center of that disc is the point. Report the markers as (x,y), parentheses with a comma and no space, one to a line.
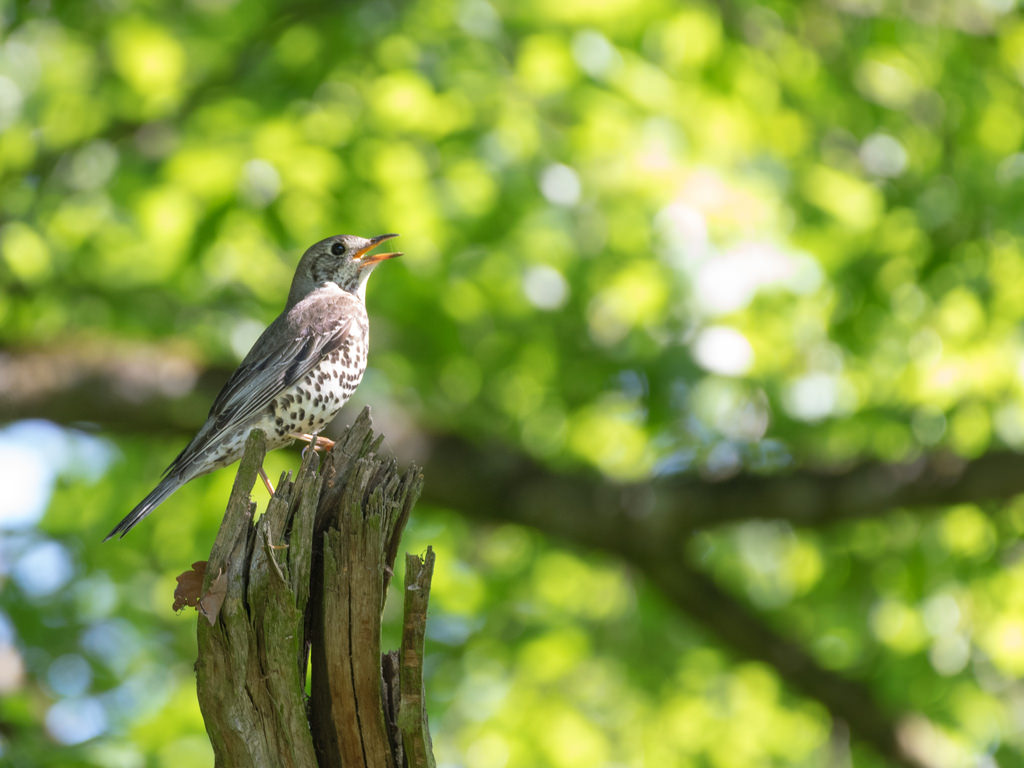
(148,390)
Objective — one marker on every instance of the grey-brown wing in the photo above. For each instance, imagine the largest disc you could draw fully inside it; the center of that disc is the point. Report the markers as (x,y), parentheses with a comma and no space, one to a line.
(267,371)
(259,380)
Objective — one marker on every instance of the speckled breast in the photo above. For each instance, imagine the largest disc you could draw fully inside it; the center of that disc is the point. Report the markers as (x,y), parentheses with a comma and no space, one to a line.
(309,405)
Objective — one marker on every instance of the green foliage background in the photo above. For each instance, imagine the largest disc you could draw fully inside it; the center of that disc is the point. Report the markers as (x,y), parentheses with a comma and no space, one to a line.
(642,237)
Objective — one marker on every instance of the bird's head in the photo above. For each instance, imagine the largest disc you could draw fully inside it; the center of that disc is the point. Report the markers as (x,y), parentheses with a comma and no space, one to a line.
(343,259)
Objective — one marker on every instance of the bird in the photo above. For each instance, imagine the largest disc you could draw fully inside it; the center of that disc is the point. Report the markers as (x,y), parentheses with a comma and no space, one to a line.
(298,374)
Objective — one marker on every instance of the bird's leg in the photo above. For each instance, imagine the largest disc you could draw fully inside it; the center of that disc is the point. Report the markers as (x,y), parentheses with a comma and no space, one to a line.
(266,481)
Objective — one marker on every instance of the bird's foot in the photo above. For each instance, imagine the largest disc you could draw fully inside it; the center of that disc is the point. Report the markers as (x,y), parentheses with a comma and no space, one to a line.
(316,442)
(266,481)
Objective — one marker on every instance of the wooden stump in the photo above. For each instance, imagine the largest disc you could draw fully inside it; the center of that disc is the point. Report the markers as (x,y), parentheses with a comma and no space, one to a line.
(307,581)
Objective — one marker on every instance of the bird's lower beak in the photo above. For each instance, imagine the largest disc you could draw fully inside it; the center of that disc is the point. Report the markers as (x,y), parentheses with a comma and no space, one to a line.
(366,258)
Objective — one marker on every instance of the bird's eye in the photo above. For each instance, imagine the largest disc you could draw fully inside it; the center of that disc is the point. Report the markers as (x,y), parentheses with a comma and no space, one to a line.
(337,249)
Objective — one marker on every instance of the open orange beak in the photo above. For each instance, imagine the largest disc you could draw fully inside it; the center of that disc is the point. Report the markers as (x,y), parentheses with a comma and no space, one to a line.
(366,258)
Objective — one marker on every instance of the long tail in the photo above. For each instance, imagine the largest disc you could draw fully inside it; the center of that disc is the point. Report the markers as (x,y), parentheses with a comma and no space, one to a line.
(156,497)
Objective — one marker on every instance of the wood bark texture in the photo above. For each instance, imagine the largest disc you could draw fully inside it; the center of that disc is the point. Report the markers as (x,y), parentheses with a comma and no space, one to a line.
(306,582)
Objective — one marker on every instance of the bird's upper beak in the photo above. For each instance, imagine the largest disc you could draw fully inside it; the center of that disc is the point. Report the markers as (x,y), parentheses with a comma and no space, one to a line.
(366,258)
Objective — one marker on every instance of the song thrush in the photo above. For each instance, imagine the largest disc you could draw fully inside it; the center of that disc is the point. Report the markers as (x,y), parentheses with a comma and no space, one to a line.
(297,375)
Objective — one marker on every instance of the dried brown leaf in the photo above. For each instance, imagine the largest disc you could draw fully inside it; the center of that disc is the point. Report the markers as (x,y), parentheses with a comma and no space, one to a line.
(190,585)
(210,603)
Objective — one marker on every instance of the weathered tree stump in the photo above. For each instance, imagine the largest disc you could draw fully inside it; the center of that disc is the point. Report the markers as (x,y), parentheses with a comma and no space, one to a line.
(307,581)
